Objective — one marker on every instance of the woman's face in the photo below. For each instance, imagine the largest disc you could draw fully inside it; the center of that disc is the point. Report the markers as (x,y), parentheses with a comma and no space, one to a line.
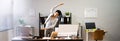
(56,14)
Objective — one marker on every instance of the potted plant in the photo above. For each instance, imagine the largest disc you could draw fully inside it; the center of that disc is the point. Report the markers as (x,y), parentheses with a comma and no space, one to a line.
(67,14)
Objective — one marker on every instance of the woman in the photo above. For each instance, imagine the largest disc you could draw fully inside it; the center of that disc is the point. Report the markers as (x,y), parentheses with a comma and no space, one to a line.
(52,21)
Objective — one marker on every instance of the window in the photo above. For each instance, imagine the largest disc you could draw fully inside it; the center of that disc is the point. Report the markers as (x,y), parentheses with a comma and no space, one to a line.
(5,22)
(5,15)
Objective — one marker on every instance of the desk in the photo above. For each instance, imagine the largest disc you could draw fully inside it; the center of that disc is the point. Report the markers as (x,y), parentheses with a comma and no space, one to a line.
(49,40)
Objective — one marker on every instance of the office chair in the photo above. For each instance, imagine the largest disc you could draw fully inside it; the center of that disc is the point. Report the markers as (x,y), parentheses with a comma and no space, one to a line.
(98,35)
(53,35)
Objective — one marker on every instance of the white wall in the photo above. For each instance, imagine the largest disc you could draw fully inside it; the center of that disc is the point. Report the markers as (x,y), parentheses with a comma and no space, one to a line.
(108,13)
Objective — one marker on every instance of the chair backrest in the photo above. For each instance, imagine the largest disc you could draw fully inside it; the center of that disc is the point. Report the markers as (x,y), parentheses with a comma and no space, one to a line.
(98,35)
(54,34)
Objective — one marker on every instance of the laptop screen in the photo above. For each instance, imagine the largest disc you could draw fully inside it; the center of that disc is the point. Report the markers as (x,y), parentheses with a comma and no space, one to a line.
(90,25)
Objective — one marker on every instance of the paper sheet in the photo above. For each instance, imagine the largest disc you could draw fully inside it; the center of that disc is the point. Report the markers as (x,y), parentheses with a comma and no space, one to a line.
(90,12)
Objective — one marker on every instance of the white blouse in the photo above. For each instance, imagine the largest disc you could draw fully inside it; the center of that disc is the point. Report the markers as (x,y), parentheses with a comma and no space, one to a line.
(51,23)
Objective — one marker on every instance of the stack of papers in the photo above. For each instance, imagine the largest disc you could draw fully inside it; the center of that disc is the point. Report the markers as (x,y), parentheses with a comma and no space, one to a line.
(46,38)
